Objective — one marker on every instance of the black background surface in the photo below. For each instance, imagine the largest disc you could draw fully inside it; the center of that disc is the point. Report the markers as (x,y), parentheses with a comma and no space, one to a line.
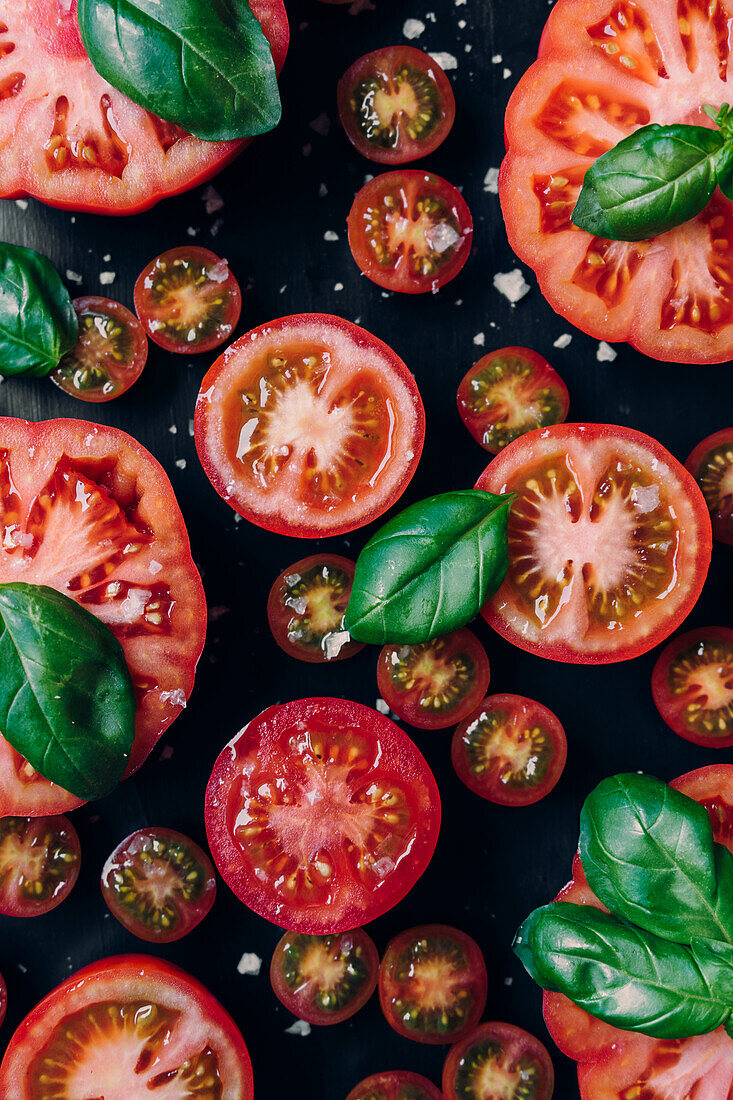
(492,865)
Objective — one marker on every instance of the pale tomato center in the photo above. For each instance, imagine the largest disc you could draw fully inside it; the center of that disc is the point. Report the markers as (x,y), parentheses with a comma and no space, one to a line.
(394,100)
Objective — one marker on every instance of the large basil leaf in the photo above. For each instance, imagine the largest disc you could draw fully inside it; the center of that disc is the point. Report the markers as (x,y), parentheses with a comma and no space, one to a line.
(204,64)
(430,569)
(38,324)
(67,702)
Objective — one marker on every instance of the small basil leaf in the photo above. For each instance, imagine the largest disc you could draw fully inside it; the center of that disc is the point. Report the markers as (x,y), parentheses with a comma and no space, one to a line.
(205,66)
(67,702)
(430,569)
(38,324)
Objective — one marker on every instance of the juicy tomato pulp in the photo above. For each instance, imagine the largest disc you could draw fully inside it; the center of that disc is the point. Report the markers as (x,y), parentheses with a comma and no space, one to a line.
(432,984)
(711,465)
(306,609)
(325,979)
(110,353)
(511,751)
(498,1060)
(309,426)
(188,300)
(70,139)
(39,864)
(321,815)
(692,684)
(397,1084)
(396,104)
(88,511)
(609,543)
(127,1028)
(410,231)
(607,67)
(158,884)
(508,393)
(434,684)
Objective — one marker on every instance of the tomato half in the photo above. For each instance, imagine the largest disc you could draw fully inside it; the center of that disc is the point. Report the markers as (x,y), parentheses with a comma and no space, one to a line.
(432,984)
(711,465)
(158,884)
(410,231)
(692,685)
(396,1084)
(309,426)
(39,864)
(434,684)
(511,750)
(498,1059)
(127,1028)
(306,609)
(321,815)
(508,393)
(396,105)
(72,140)
(110,353)
(609,543)
(88,511)
(325,979)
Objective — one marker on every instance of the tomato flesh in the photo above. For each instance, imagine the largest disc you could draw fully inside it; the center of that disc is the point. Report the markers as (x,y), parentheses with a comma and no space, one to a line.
(306,609)
(110,353)
(395,1084)
(495,1060)
(39,864)
(692,685)
(711,465)
(321,815)
(325,979)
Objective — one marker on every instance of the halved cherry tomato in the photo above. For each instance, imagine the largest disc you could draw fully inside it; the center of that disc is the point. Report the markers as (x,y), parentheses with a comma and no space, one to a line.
(321,815)
(508,393)
(70,139)
(309,426)
(511,750)
(396,104)
(39,864)
(498,1059)
(396,1084)
(434,684)
(127,1027)
(692,685)
(109,356)
(432,984)
(188,300)
(87,510)
(711,465)
(158,884)
(609,543)
(410,231)
(306,608)
(325,979)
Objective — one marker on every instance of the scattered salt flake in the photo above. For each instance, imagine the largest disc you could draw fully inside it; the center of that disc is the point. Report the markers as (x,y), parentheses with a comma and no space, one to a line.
(220,272)
(563,341)
(212,200)
(283,288)
(368,177)
(413,28)
(441,236)
(339,286)
(511,284)
(322,191)
(431,16)
(509,981)
(249,964)
(74,276)
(334,642)
(491,181)
(154,567)
(107,258)
(605,353)
(321,125)
(382,707)
(22,969)
(167,752)
(216,226)
(173,429)
(468,47)
(462,24)
(237,518)
(507,73)
(479,339)
(218,612)
(300,1027)
(330,235)
(191,430)
(22,203)
(446,60)
(180,463)
(497,59)
(176,698)
(307,150)
(106,278)
(193,231)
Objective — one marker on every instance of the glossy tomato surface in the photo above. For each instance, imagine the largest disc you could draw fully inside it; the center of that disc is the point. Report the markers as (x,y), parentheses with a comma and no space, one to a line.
(498,1059)
(306,606)
(72,140)
(325,979)
(396,1084)
(110,353)
(309,426)
(321,815)
(88,511)
(127,1027)
(40,860)
(609,543)
(711,465)
(692,685)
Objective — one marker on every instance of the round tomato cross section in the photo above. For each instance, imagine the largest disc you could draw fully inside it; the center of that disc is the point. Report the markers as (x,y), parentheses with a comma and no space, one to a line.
(711,465)
(325,979)
(692,685)
(396,1084)
(110,353)
(306,608)
(498,1059)
(321,815)
(609,543)
(39,864)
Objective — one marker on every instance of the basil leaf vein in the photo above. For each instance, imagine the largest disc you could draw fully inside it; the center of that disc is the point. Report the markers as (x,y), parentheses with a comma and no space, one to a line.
(38,324)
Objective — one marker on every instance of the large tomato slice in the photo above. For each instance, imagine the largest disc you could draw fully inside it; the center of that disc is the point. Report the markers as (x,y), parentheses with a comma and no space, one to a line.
(127,1028)
(607,67)
(86,510)
(609,543)
(620,1065)
(69,138)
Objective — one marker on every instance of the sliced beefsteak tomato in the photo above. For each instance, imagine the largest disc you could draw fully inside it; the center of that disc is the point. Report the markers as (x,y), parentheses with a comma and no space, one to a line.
(606,68)
(321,815)
(127,1028)
(69,138)
(86,510)
(609,543)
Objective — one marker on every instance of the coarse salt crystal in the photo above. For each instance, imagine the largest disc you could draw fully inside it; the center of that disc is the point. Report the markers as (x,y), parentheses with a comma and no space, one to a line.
(563,341)
(212,200)
(479,339)
(511,284)
(106,278)
(330,235)
(491,181)
(413,28)
(249,964)
(446,60)
(605,353)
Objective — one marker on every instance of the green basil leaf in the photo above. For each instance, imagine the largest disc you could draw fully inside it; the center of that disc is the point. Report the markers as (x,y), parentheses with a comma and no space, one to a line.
(67,702)
(715,959)
(38,324)
(206,66)
(430,569)
(649,855)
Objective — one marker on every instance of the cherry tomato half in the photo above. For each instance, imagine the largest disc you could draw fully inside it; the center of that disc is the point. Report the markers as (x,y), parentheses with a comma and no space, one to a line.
(396,1084)
(711,465)
(410,231)
(158,884)
(396,104)
(434,684)
(498,1059)
(325,979)
(306,608)
(692,685)
(188,300)
(432,984)
(109,355)
(40,859)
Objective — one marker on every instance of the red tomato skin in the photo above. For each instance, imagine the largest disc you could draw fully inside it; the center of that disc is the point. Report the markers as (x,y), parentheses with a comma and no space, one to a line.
(391,1081)
(95,304)
(297,1002)
(722,525)
(660,689)
(505,1033)
(278,616)
(3,999)
(11,905)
